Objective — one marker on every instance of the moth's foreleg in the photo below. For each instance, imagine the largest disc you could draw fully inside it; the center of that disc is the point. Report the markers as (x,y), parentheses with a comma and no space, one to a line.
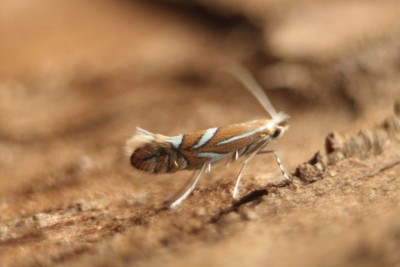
(176,199)
(284,173)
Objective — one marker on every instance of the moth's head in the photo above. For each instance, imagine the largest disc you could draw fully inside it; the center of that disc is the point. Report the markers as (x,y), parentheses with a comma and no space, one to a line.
(281,121)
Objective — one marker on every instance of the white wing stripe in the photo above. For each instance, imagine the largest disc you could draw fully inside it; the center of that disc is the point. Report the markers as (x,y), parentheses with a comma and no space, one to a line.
(176,140)
(206,137)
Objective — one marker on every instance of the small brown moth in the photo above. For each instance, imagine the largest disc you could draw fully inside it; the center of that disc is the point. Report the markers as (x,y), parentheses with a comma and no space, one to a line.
(156,153)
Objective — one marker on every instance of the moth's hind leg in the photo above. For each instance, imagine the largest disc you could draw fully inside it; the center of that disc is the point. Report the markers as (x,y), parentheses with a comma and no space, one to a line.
(235,191)
(284,173)
(176,199)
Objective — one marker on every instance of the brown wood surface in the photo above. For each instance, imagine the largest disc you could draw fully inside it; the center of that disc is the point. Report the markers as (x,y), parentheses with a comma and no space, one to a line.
(77,77)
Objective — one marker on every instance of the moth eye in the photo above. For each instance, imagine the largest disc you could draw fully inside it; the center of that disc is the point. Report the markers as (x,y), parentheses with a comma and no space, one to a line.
(277,133)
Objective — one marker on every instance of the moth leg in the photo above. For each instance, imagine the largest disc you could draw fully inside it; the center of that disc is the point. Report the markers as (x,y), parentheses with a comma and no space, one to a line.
(235,191)
(284,173)
(176,199)
(236,188)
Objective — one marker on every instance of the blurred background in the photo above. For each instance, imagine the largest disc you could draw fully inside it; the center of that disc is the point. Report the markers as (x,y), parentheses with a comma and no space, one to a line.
(77,77)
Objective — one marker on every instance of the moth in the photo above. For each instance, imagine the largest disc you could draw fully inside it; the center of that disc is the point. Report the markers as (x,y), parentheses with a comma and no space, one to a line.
(156,153)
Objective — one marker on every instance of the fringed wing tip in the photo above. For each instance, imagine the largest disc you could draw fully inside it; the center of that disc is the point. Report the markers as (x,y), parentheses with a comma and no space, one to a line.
(139,138)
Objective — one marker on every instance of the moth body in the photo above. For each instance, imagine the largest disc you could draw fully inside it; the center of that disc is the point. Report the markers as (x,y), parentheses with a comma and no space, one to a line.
(156,153)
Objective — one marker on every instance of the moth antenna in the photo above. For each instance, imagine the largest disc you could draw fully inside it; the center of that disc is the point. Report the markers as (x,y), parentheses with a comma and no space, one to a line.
(254,87)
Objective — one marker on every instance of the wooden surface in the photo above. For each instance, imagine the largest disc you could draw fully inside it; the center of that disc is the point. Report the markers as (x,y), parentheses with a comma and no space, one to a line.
(77,77)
